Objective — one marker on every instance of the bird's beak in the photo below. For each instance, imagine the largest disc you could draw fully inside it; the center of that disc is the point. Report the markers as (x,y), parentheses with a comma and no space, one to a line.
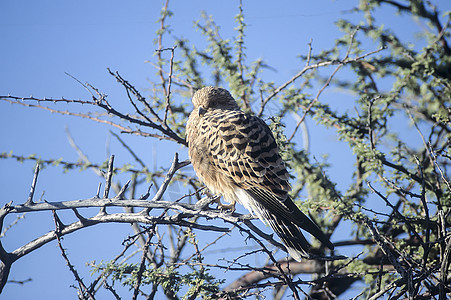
(201,110)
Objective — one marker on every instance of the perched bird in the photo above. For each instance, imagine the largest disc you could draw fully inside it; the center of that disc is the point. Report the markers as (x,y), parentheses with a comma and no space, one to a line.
(235,155)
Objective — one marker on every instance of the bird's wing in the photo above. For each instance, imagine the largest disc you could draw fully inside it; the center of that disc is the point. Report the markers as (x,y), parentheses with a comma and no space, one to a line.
(243,147)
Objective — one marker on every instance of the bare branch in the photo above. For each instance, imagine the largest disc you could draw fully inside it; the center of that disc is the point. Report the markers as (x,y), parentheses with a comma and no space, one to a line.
(117,218)
(168,134)
(176,165)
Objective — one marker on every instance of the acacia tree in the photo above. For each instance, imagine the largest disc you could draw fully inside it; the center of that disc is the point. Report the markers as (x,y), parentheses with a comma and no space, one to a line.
(406,247)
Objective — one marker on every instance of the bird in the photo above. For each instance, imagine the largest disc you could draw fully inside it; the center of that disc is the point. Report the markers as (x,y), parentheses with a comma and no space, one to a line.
(235,155)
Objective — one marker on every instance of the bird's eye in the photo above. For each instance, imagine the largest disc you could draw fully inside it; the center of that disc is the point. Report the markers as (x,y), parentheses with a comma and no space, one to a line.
(201,110)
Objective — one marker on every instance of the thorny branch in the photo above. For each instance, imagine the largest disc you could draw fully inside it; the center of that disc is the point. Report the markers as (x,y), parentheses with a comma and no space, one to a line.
(185,211)
(100,100)
(167,135)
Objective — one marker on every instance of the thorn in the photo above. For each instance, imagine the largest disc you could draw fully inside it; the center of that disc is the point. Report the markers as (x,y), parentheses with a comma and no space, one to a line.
(4,211)
(58,223)
(79,216)
(109,177)
(7,205)
(145,211)
(147,194)
(33,186)
(98,191)
(122,191)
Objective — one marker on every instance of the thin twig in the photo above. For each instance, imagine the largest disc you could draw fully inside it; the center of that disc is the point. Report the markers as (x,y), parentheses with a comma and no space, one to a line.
(341,64)
(160,45)
(168,93)
(141,268)
(174,167)
(311,67)
(283,275)
(130,150)
(130,88)
(80,282)
(110,288)
(309,107)
(168,134)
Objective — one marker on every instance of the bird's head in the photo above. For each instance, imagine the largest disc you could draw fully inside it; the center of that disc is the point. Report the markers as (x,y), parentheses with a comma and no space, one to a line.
(212,97)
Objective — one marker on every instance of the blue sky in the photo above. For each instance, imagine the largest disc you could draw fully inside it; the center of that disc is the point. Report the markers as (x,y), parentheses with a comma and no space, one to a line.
(41,40)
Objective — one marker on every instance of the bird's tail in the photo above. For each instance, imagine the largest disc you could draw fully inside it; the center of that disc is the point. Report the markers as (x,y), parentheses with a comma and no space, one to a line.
(285,218)
(289,233)
(311,227)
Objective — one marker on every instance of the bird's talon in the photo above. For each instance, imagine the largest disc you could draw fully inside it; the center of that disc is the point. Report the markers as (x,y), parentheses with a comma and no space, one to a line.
(207,193)
(224,208)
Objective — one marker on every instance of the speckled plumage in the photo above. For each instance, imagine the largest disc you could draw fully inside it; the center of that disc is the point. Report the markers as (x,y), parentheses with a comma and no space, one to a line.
(236,155)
